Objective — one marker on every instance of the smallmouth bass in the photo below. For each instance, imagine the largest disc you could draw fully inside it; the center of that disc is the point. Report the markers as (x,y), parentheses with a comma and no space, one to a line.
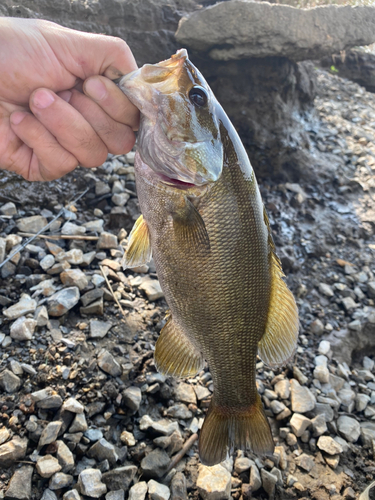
(204,223)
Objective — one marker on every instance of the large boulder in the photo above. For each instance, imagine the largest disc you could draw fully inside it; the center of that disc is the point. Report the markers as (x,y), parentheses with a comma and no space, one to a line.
(242,29)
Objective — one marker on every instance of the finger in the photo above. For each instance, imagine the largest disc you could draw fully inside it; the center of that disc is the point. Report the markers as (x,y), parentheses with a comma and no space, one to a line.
(110,98)
(41,157)
(69,127)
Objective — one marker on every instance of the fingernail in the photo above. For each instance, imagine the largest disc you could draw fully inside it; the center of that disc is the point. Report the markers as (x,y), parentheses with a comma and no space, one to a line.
(17,117)
(65,95)
(43,98)
(96,89)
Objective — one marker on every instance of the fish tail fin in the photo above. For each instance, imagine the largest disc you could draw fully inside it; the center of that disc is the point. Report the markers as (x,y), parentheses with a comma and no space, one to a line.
(224,429)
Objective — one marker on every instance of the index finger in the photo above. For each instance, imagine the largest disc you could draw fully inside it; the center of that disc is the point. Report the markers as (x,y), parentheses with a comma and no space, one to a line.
(112,100)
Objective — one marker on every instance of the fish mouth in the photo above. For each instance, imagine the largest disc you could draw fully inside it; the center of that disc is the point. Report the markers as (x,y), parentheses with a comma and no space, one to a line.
(176,183)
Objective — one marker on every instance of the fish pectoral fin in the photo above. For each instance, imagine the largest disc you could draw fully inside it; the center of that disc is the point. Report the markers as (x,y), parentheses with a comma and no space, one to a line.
(279,341)
(225,428)
(175,355)
(189,227)
(138,251)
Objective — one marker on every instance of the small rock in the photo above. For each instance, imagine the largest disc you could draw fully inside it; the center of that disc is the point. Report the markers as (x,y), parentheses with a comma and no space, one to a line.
(361,402)
(9,381)
(255,480)
(23,328)
(49,495)
(108,364)
(179,411)
(49,433)
(47,466)
(25,306)
(62,301)
(74,277)
(201,392)
(326,290)
(4,435)
(151,288)
(349,303)
(282,388)
(324,347)
(132,397)
(319,425)
(71,495)
(103,450)
(242,464)
(72,229)
(115,495)
(64,456)
(79,423)
(99,329)
(73,406)
(13,450)
(158,491)
(178,487)
(302,399)
(90,483)
(9,209)
(305,462)
(299,423)
(155,464)
(94,226)
(185,393)
(214,483)
(95,308)
(120,478)
(317,327)
(329,445)
(20,484)
(138,491)
(41,316)
(368,363)
(60,480)
(268,482)
(31,224)
(349,428)
(107,241)
(128,438)
(47,262)
(321,373)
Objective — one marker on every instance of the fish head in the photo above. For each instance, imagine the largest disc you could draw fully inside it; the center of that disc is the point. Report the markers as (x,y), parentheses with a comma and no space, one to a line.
(179,136)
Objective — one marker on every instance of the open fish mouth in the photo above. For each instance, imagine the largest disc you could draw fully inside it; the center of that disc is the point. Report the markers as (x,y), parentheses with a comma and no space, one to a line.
(176,183)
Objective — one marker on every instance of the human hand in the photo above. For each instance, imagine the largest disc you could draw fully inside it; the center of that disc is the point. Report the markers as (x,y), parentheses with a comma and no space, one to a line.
(58,105)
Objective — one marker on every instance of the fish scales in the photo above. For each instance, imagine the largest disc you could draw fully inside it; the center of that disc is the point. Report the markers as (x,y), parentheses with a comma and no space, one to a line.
(215,260)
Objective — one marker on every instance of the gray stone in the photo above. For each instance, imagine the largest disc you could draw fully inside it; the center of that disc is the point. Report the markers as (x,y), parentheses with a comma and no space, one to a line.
(94,226)
(9,382)
(92,296)
(64,456)
(302,399)
(15,366)
(371,289)
(103,450)
(268,482)
(99,329)
(20,484)
(72,229)
(95,308)
(326,290)
(367,433)
(317,327)
(62,301)
(361,402)
(163,426)
(50,433)
(102,188)
(151,288)
(138,491)
(108,364)
(305,462)
(24,306)
(282,388)
(242,464)
(47,262)
(132,397)
(8,270)
(73,256)
(46,398)
(255,480)
(74,277)
(349,428)
(319,425)
(47,466)
(368,363)
(178,487)
(9,209)
(60,480)
(179,411)
(12,451)
(346,396)
(321,373)
(31,224)
(2,250)
(90,483)
(214,483)
(23,328)
(93,434)
(73,406)
(4,435)
(107,241)
(120,199)
(79,423)
(49,495)
(329,445)
(115,495)
(185,393)
(120,478)
(158,491)
(201,392)
(240,30)
(155,464)
(299,423)
(71,495)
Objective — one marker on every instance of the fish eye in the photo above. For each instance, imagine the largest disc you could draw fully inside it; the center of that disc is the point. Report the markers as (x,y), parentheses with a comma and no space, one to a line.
(198,96)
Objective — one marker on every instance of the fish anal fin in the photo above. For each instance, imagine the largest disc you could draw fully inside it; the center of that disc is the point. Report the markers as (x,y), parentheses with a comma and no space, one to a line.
(279,341)
(225,428)
(138,251)
(189,227)
(175,355)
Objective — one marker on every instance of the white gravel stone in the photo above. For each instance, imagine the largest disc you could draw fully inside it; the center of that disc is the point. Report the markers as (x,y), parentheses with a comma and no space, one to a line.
(138,491)
(349,428)
(214,483)
(255,480)
(24,306)
(73,405)
(151,288)
(47,466)
(299,423)
(242,464)
(31,224)
(282,389)
(329,445)
(47,262)
(324,347)
(158,491)
(361,402)
(23,328)
(90,483)
(321,373)
(326,290)
(74,277)
(302,398)
(72,229)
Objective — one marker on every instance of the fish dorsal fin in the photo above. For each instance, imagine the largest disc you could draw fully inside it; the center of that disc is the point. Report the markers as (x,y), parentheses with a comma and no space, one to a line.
(189,227)
(279,341)
(175,354)
(138,251)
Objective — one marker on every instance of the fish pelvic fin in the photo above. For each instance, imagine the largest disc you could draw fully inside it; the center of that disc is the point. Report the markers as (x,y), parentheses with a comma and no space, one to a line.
(138,251)
(279,340)
(175,354)
(189,227)
(225,428)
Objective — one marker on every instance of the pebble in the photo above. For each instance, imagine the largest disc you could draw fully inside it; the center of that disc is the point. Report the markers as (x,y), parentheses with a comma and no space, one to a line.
(107,241)
(74,277)
(71,495)
(299,423)
(47,262)
(242,464)
(185,393)
(90,483)
(128,438)
(138,491)
(214,483)
(151,288)
(20,484)
(306,462)
(132,397)
(108,364)
(115,495)
(317,327)
(361,402)
(23,328)
(79,423)
(329,445)
(64,300)
(72,405)
(155,464)
(120,478)
(282,389)
(49,495)
(9,381)
(64,456)
(103,450)
(60,480)
(349,428)
(158,491)
(31,224)
(301,397)
(49,433)
(47,466)
(321,373)
(326,290)
(99,329)
(72,229)
(324,347)
(164,426)
(8,209)
(13,450)
(23,307)
(268,482)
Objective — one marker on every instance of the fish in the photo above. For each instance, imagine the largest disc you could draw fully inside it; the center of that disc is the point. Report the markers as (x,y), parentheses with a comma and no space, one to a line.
(204,223)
